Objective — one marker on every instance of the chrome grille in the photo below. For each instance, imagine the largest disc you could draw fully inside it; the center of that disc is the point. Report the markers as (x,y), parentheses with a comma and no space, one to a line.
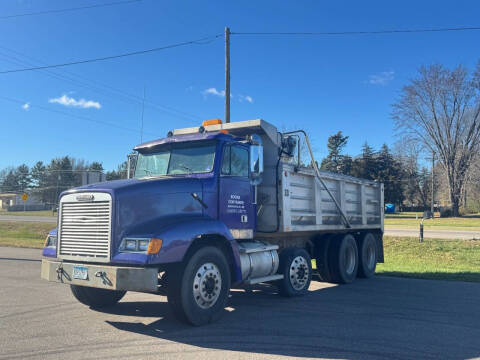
(84,229)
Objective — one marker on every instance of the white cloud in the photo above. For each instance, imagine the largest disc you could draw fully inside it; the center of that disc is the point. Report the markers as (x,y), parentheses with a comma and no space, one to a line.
(71,102)
(382,78)
(221,93)
(246,98)
(26,106)
(214,91)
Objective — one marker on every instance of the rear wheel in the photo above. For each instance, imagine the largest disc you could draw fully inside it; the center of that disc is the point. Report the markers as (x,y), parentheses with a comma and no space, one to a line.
(367,256)
(96,298)
(344,256)
(198,291)
(296,268)
(323,260)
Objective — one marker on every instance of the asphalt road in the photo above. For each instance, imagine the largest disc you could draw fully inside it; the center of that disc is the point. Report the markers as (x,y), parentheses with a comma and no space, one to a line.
(434,234)
(377,318)
(47,219)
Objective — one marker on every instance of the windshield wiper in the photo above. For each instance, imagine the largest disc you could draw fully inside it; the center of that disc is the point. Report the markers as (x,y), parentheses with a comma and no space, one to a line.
(186,168)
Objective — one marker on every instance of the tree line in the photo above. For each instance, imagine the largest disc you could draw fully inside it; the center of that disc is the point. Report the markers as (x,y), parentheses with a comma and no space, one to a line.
(405,182)
(437,118)
(47,180)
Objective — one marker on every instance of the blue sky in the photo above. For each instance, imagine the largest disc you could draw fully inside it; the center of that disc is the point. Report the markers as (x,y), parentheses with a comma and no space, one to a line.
(321,84)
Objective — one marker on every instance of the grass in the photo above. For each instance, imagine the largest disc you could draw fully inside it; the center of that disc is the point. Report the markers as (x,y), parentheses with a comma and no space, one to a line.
(408,220)
(432,259)
(24,234)
(28,213)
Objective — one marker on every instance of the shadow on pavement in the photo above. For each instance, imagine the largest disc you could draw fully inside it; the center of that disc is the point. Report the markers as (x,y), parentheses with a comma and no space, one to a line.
(377,318)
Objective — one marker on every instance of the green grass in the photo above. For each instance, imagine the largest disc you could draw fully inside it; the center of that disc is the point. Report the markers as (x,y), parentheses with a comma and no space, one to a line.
(432,259)
(408,220)
(24,234)
(28,213)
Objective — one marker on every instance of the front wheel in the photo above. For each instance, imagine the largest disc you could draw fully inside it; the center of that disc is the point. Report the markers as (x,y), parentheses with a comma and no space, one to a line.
(296,268)
(198,292)
(96,298)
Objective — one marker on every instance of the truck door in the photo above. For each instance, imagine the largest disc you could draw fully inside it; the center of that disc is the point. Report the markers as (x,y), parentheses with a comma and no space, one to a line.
(236,208)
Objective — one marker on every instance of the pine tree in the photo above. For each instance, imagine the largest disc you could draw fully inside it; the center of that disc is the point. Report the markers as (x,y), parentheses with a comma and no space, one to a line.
(335,161)
(24,178)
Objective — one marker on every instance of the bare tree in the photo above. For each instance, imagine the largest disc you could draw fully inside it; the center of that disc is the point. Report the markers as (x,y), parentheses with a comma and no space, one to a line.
(440,109)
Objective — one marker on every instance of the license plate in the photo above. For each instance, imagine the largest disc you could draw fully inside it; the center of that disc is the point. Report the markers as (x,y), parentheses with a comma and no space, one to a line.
(80,272)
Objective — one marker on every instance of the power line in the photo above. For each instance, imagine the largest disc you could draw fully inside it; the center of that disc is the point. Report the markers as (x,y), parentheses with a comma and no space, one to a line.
(379,32)
(97,86)
(69,9)
(72,115)
(185,43)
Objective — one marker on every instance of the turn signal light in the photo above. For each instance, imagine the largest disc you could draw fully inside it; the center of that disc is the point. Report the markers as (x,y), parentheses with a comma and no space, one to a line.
(154,246)
(212,122)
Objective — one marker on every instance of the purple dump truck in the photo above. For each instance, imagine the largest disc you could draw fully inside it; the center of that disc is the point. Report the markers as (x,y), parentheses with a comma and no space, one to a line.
(213,207)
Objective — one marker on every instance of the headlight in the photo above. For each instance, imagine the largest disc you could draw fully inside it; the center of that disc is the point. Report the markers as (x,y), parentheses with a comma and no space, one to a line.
(51,241)
(130,245)
(144,245)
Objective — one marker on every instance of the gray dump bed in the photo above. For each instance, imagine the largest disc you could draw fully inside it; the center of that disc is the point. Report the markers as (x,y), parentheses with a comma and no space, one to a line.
(306,205)
(292,198)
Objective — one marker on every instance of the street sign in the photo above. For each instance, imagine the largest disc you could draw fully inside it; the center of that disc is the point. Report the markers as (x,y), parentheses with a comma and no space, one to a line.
(24,197)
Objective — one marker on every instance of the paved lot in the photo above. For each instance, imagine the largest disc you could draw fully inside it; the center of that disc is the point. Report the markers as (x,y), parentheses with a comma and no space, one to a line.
(20,218)
(378,318)
(435,234)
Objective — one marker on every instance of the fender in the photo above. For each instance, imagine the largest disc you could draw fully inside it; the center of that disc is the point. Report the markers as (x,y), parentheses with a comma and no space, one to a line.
(50,251)
(177,237)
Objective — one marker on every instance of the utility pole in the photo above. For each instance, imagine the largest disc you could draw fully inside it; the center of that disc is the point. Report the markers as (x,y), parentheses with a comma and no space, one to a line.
(227,74)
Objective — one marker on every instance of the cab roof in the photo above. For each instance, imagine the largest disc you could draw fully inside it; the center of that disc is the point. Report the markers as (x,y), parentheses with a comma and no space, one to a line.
(215,135)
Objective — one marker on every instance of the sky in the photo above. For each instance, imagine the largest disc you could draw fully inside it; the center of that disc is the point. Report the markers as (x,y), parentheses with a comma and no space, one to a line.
(322,84)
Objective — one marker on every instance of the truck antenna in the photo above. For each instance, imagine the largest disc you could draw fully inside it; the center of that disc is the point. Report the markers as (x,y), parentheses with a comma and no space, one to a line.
(143,110)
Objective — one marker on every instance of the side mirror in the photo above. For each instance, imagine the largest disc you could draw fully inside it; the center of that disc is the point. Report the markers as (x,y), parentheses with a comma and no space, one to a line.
(256,164)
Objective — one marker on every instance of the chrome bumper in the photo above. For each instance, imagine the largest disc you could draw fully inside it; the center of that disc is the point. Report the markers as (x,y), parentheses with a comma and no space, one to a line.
(100,276)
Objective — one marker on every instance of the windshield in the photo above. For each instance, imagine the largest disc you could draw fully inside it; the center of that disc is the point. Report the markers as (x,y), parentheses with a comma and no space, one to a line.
(177,159)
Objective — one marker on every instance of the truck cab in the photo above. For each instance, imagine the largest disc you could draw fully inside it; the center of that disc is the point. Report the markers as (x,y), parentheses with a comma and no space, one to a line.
(200,215)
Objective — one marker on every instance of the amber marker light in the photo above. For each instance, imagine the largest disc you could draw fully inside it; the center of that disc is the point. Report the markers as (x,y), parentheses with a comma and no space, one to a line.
(154,246)
(212,122)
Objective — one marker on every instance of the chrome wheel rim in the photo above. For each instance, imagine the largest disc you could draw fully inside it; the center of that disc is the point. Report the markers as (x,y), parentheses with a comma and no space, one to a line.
(350,260)
(299,273)
(207,285)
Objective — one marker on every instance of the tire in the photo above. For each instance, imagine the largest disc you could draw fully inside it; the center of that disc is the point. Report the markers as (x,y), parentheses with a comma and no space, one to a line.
(96,298)
(344,256)
(323,260)
(193,292)
(367,256)
(296,268)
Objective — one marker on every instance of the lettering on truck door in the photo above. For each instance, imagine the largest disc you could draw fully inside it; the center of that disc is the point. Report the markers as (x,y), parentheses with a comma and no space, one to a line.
(236,207)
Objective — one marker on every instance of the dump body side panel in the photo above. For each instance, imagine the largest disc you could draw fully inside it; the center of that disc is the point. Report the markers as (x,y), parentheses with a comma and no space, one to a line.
(305,205)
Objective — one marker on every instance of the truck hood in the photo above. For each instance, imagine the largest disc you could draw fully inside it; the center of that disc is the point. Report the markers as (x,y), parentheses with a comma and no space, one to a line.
(142,207)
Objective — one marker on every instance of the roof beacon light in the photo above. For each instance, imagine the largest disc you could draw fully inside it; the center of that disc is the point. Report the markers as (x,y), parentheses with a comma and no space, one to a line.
(212,122)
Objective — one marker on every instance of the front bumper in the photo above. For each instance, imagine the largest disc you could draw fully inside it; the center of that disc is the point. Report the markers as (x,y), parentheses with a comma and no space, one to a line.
(102,276)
